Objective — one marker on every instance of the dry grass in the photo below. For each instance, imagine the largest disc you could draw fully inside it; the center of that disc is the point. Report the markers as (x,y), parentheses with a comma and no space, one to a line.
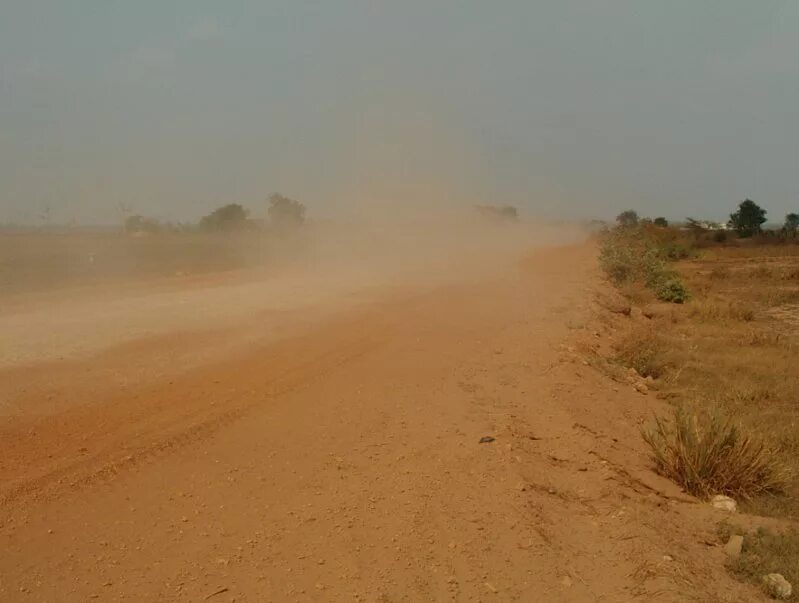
(714,455)
(728,361)
(644,351)
(751,251)
(721,311)
(765,552)
(733,347)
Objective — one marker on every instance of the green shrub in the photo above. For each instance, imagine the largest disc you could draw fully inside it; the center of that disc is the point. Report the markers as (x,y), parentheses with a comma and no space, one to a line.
(672,290)
(676,251)
(619,262)
(633,254)
(668,286)
(627,254)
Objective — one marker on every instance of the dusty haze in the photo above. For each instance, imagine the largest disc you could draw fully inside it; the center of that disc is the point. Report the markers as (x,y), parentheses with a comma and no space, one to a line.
(75,293)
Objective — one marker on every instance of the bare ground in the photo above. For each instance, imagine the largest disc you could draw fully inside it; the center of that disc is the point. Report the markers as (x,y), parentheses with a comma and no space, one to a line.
(340,459)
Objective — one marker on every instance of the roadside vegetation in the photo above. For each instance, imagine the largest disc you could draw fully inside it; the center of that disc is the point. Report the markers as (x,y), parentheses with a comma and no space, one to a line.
(720,342)
(642,254)
(763,552)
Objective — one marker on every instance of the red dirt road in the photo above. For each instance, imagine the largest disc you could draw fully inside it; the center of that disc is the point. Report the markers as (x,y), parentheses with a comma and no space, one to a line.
(342,461)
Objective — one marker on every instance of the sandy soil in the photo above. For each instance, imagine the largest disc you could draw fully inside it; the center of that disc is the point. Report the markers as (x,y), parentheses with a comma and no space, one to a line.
(333,452)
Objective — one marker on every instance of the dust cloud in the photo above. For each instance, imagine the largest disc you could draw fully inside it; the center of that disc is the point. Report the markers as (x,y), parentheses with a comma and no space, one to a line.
(76,293)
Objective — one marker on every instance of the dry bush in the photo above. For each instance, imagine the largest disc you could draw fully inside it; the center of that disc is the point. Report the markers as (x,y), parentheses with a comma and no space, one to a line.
(644,351)
(714,455)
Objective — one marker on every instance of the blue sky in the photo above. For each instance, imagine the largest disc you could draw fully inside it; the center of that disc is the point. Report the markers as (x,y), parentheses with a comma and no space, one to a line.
(566,109)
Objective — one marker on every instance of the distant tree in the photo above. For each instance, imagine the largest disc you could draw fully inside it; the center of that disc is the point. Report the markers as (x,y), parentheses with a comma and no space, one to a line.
(748,219)
(696,226)
(627,218)
(502,212)
(139,224)
(284,212)
(662,222)
(510,212)
(228,217)
(791,223)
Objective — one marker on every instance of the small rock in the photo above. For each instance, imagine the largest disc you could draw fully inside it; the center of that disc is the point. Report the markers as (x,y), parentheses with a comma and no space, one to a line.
(777,586)
(724,503)
(668,558)
(733,546)
(566,581)
(641,388)
(487,439)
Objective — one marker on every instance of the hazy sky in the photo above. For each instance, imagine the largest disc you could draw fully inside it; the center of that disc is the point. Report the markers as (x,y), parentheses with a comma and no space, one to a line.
(567,109)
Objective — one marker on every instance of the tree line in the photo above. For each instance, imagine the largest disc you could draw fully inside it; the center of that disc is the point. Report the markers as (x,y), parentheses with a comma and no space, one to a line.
(746,221)
(283,214)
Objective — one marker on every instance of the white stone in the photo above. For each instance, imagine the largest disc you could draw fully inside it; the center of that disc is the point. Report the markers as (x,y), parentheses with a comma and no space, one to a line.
(724,502)
(777,586)
(733,546)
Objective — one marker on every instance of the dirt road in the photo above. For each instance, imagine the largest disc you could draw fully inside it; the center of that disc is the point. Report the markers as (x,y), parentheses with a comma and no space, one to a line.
(344,459)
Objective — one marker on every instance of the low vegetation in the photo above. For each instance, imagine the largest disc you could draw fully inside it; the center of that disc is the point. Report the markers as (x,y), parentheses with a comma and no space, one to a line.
(726,357)
(764,551)
(714,455)
(641,253)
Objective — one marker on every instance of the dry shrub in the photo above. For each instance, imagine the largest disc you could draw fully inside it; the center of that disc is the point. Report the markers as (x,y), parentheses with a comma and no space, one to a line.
(716,311)
(644,351)
(714,456)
